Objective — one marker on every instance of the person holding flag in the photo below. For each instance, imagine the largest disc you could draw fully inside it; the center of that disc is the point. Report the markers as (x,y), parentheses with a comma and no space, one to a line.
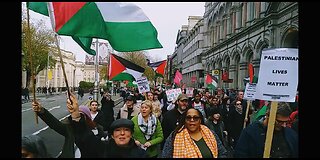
(251,143)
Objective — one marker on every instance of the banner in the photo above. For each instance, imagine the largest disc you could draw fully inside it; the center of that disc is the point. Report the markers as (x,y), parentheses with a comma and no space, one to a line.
(278,75)
(172,94)
(189,92)
(143,85)
(250,91)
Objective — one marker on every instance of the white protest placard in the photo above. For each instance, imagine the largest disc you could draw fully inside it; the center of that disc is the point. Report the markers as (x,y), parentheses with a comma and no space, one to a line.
(189,92)
(143,85)
(172,94)
(250,91)
(278,75)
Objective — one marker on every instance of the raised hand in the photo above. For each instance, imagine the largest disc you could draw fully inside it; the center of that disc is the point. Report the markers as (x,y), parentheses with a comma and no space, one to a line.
(74,107)
(36,106)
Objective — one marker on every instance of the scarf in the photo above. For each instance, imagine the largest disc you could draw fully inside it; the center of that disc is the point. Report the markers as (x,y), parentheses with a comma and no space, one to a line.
(148,128)
(185,147)
(239,110)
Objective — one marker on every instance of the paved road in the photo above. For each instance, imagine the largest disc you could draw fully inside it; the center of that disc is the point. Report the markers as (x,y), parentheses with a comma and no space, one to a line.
(56,105)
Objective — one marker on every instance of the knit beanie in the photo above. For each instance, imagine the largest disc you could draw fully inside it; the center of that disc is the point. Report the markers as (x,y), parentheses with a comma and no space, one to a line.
(85,110)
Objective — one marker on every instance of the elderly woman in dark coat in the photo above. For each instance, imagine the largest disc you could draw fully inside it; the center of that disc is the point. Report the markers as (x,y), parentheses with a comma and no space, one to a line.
(119,145)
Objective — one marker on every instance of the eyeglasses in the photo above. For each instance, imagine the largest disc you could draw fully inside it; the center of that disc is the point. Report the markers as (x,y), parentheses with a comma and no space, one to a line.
(195,118)
(282,122)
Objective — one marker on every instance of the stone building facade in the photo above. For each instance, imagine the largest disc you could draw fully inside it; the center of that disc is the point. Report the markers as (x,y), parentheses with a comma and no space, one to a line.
(235,33)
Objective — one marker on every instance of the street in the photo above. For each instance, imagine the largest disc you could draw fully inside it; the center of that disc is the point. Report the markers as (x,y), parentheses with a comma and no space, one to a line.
(56,104)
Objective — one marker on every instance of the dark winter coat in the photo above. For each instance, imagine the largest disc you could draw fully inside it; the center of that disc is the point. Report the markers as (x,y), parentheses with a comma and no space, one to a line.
(252,140)
(64,128)
(95,148)
(107,109)
(170,121)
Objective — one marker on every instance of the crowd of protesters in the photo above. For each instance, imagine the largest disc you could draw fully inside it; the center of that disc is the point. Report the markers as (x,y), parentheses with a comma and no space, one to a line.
(206,124)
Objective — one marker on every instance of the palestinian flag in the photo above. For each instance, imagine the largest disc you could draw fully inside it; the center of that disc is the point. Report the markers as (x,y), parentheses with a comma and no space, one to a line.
(211,83)
(124,25)
(122,69)
(158,67)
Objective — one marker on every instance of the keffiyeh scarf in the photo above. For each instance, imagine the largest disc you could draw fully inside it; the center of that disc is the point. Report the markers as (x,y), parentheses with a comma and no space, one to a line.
(147,128)
(185,147)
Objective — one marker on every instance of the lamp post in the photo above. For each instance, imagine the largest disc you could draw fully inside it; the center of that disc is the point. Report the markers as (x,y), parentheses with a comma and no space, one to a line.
(96,64)
(46,79)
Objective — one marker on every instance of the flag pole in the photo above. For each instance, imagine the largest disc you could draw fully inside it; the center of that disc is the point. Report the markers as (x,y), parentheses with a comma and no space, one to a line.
(270,129)
(31,64)
(247,112)
(59,52)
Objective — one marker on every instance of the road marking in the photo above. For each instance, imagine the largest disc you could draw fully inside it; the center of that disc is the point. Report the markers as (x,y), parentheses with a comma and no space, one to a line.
(54,108)
(24,110)
(37,132)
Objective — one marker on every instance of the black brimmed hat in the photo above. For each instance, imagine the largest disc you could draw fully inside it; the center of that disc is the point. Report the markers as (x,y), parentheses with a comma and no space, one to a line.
(127,123)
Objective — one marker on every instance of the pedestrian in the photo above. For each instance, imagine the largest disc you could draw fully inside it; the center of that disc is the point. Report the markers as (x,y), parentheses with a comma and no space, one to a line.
(32,146)
(80,93)
(197,103)
(65,127)
(97,115)
(119,145)
(107,105)
(251,143)
(114,90)
(129,109)
(27,96)
(122,144)
(216,124)
(147,130)
(192,139)
(237,118)
(62,127)
(172,118)
(155,104)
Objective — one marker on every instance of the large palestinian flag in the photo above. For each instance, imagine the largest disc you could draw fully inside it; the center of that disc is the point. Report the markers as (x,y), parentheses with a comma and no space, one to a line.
(158,67)
(124,25)
(122,69)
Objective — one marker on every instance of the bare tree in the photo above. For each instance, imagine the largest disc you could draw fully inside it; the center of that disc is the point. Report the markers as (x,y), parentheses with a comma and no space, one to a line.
(42,41)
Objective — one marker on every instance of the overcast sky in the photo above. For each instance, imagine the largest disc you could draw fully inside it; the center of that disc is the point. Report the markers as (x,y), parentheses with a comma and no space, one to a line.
(167,17)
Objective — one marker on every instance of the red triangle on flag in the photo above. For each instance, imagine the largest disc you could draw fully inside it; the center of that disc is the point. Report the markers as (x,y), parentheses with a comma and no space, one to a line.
(161,67)
(208,79)
(115,67)
(63,11)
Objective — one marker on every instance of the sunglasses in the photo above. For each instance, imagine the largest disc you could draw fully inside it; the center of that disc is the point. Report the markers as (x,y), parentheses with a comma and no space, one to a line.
(184,100)
(195,118)
(238,104)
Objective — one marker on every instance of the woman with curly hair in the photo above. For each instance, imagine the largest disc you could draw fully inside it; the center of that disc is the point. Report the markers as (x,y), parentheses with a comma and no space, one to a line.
(192,139)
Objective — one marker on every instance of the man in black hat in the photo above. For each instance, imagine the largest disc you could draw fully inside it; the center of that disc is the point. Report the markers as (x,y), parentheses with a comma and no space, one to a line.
(129,109)
(171,118)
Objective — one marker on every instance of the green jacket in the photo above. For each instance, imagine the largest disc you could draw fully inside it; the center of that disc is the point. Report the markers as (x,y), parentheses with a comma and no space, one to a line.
(156,138)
